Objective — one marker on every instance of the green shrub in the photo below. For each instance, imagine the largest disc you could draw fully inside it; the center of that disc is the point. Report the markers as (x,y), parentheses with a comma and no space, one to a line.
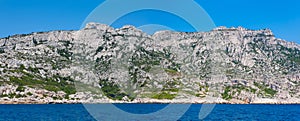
(225,94)
(12,95)
(264,88)
(270,91)
(99,49)
(35,70)
(20,89)
(112,90)
(164,95)
(253,90)
(171,71)
(170,86)
(2,50)
(19,96)
(29,93)
(50,84)
(64,53)
(22,67)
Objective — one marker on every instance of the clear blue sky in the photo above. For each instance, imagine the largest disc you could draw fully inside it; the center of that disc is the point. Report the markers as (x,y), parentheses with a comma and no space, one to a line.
(25,16)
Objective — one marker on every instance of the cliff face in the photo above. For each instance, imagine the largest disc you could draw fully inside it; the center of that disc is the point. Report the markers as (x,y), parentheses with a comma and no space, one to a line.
(127,64)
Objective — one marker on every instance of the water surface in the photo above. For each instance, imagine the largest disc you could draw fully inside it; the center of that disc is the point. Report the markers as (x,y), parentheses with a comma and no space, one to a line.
(77,112)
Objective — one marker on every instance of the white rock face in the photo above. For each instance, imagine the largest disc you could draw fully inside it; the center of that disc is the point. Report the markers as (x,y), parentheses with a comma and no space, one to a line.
(229,63)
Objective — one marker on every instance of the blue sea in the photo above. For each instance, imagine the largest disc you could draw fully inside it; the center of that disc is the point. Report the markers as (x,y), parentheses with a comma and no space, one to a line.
(78,112)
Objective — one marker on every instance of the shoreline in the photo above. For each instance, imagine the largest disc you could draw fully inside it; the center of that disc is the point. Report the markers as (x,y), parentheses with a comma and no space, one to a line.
(54,103)
(191,100)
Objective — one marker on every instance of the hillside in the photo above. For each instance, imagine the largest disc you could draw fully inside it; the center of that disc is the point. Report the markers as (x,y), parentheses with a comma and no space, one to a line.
(101,64)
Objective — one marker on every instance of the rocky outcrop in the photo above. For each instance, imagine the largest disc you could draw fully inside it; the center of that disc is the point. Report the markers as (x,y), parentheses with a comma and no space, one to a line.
(103,64)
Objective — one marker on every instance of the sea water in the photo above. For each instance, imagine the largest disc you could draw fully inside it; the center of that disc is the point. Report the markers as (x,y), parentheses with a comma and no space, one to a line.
(74,112)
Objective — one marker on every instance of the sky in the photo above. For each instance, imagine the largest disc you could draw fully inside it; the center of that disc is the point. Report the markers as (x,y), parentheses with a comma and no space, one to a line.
(26,16)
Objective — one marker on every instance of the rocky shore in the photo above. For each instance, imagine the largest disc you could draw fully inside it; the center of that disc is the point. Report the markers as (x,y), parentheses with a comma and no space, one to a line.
(148,101)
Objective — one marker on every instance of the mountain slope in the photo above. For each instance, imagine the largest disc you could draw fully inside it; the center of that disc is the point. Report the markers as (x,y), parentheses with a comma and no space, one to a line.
(99,62)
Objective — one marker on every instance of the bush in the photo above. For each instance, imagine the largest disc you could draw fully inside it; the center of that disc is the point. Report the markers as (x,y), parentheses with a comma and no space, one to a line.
(29,93)
(264,88)
(164,95)
(64,53)
(112,91)
(171,86)
(171,71)
(35,70)
(270,91)
(22,67)
(226,95)
(2,50)
(20,89)
(50,84)
(99,49)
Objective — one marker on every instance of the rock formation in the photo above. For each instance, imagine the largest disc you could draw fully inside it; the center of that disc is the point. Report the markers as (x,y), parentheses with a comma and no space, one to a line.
(99,63)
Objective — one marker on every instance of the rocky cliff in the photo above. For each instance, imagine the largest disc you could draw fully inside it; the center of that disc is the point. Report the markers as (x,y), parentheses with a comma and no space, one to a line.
(100,63)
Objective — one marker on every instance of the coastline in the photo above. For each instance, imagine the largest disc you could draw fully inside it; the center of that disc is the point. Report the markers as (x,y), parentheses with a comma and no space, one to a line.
(144,102)
(53,103)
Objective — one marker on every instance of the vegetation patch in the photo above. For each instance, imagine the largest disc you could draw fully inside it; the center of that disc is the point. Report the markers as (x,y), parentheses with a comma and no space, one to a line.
(2,50)
(169,91)
(112,91)
(20,89)
(227,93)
(164,95)
(268,92)
(13,95)
(230,91)
(64,53)
(171,71)
(171,86)
(55,83)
